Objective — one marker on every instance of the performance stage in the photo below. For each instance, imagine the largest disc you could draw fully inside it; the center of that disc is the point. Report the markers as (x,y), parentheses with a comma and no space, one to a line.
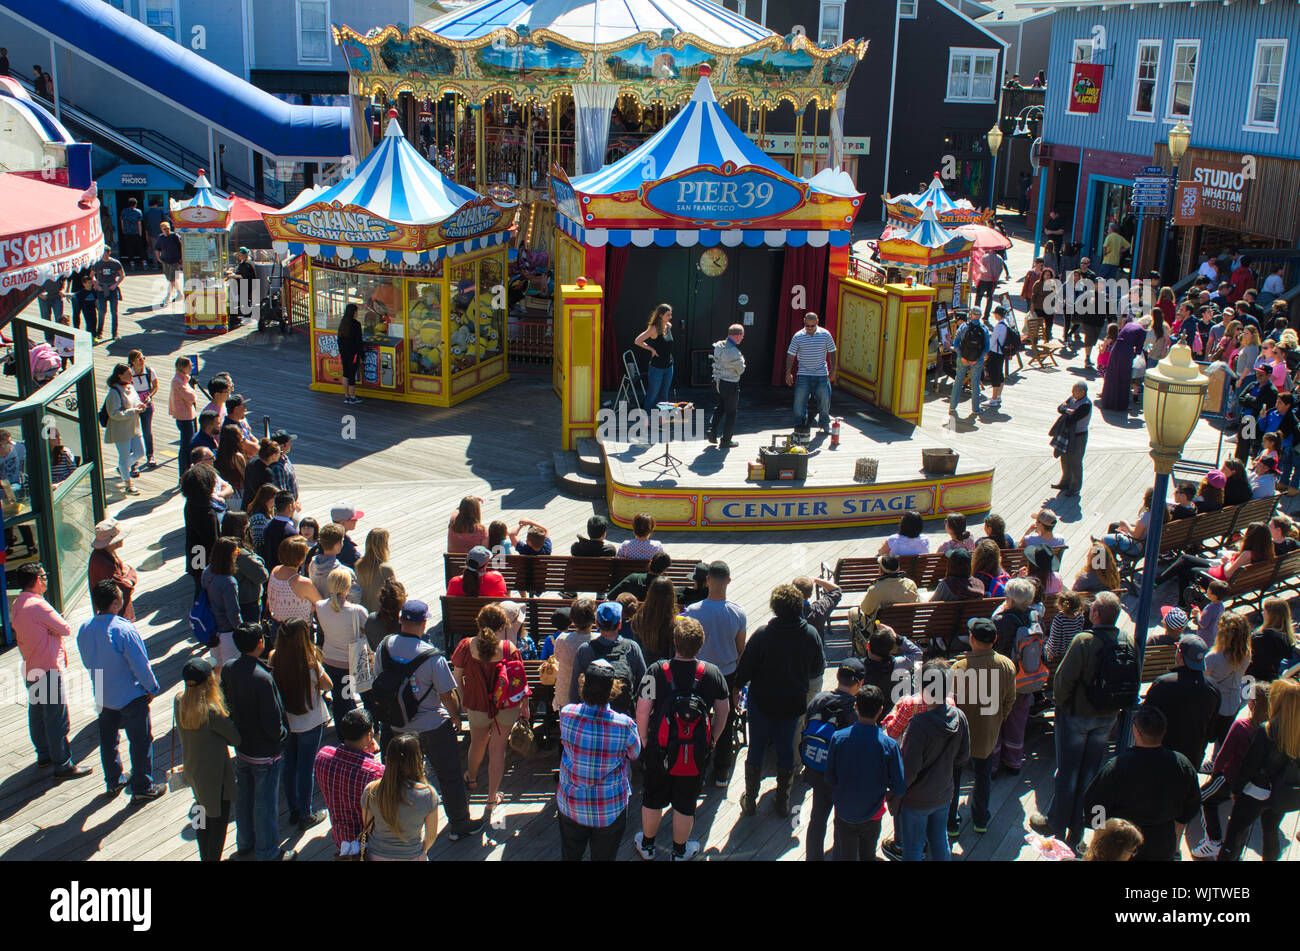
(711,491)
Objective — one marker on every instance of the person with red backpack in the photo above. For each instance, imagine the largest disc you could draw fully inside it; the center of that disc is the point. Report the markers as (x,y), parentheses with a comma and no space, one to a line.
(493,688)
(681,711)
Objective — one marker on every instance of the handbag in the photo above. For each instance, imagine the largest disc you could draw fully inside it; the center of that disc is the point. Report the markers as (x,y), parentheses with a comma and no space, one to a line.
(361,661)
(176,780)
(522,740)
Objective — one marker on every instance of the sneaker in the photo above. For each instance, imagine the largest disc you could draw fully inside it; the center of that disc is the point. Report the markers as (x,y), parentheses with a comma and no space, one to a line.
(311,819)
(647,849)
(456,833)
(114,788)
(954,827)
(980,829)
(287,855)
(1208,849)
(712,438)
(1040,824)
(729,444)
(692,849)
(892,850)
(721,783)
(155,791)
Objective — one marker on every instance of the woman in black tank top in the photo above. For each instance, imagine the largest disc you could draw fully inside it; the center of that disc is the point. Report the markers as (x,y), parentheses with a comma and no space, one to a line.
(657,338)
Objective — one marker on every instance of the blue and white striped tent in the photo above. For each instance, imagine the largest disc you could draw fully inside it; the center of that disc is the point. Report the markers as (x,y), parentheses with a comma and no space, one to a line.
(702,134)
(205,196)
(398,184)
(43,124)
(909,208)
(927,246)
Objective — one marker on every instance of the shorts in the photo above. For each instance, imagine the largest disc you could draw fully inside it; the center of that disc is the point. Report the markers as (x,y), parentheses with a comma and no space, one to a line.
(170,270)
(1091,331)
(996,363)
(350,364)
(479,719)
(662,789)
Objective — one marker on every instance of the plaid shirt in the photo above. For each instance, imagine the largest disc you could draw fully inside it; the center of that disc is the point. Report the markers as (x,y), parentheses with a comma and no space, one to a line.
(342,773)
(598,742)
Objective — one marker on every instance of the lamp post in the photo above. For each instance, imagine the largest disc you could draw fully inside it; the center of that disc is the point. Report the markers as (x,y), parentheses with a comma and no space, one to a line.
(995,142)
(1179,138)
(1172,394)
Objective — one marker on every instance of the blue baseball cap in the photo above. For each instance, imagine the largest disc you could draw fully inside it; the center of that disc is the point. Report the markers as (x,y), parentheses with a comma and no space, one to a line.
(609,614)
(415,611)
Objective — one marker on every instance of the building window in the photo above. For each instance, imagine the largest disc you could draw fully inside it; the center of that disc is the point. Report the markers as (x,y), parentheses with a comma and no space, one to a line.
(1266,83)
(907,9)
(1082,51)
(1144,78)
(313,31)
(160,15)
(971,75)
(737,6)
(1182,78)
(831,22)
(119,4)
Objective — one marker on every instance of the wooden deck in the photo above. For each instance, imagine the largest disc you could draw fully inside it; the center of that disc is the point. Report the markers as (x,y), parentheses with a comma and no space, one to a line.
(406,467)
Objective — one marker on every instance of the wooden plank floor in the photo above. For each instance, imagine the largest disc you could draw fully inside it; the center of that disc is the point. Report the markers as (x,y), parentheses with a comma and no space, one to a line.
(406,467)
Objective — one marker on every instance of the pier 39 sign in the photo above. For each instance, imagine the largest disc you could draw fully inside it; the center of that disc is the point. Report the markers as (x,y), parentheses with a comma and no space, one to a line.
(706,194)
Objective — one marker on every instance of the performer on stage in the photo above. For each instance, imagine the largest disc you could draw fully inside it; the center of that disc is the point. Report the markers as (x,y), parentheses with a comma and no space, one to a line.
(728,365)
(815,348)
(658,339)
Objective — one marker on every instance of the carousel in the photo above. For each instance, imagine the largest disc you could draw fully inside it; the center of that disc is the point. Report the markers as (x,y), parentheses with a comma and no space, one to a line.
(424,261)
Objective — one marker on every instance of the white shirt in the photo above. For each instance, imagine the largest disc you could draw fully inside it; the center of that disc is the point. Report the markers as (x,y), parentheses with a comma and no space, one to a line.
(1207,269)
(1273,284)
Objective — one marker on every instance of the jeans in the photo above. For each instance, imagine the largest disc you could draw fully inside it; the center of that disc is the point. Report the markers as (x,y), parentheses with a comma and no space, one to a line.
(299,762)
(818,386)
(1245,811)
(974,371)
(103,304)
(723,759)
(257,808)
(604,840)
(211,834)
(659,382)
(1289,464)
(1072,465)
(984,291)
(134,718)
(146,429)
(723,421)
(1107,271)
(815,845)
(916,827)
(186,429)
(856,841)
(765,730)
(1080,747)
(129,454)
(979,796)
(1124,544)
(443,755)
(87,313)
(51,310)
(339,703)
(47,719)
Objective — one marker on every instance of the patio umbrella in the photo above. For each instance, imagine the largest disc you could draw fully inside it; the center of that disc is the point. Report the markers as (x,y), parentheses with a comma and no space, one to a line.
(985,238)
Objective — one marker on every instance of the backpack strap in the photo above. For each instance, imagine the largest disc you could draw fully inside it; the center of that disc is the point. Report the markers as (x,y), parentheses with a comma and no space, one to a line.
(699,675)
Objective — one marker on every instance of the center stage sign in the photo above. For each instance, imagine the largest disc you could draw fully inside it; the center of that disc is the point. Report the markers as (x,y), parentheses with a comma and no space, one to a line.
(815,507)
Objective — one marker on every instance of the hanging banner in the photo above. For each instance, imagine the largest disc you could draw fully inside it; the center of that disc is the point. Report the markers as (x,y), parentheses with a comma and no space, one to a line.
(1225,191)
(1085,89)
(1187,204)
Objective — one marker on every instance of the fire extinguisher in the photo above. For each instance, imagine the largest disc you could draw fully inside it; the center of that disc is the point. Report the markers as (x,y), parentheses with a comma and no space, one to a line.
(835,432)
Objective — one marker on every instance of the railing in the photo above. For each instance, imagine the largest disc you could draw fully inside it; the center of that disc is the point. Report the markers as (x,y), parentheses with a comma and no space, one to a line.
(294,294)
(55,521)
(531,342)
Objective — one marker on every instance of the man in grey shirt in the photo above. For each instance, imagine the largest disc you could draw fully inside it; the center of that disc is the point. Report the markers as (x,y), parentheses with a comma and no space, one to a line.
(437,721)
(728,366)
(724,638)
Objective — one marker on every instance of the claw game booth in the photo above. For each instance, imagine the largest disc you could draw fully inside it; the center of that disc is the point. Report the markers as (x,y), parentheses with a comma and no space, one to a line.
(423,259)
(700,218)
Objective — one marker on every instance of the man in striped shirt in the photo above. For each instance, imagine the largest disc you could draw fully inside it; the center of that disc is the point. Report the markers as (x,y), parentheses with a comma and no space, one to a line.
(594,790)
(814,348)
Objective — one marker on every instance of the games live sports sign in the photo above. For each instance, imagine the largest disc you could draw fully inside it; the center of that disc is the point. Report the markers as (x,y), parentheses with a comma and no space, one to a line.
(722,196)
(33,257)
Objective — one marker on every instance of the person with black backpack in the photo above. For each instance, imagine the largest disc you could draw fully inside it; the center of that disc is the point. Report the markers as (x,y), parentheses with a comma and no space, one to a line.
(1098,677)
(971,344)
(681,710)
(415,692)
(828,712)
(622,653)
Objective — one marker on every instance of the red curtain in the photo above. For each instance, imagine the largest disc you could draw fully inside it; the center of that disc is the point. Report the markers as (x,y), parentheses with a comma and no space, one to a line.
(611,368)
(806,267)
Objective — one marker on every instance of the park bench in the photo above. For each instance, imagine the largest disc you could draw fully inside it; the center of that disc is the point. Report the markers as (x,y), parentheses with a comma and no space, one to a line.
(539,574)
(1254,583)
(859,574)
(935,622)
(459,616)
(1208,531)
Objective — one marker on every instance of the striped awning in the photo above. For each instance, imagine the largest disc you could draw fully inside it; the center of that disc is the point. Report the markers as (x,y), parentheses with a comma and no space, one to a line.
(327,252)
(947,211)
(688,238)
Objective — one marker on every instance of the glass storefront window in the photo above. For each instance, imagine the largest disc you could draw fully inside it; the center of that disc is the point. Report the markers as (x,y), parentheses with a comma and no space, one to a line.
(462,316)
(424,313)
(377,296)
(74,520)
(491,318)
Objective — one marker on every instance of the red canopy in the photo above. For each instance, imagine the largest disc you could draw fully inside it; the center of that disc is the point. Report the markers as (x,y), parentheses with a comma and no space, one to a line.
(45,232)
(241,209)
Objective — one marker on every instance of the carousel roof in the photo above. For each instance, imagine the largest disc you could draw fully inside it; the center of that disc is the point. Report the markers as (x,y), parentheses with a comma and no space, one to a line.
(947,211)
(205,196)
(606,21)
(927,245)
(701,134)
(397,183)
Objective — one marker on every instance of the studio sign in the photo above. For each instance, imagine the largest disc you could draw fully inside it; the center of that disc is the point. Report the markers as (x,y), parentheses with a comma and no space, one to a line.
(341,227)
(1223,189)
(710,195)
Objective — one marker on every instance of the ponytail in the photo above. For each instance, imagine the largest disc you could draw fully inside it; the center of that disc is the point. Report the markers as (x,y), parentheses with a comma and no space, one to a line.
(485,644)
(469,582)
